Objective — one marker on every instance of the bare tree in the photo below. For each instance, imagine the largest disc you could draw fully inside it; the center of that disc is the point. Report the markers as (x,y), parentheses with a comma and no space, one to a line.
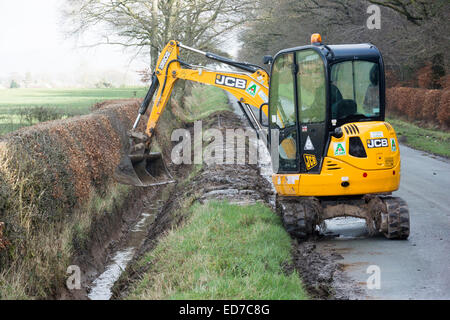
(406,46)
(148,25)
(415,11)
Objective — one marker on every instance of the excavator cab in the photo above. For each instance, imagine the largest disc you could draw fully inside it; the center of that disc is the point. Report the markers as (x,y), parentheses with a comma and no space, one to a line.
(314,91)
(336,156)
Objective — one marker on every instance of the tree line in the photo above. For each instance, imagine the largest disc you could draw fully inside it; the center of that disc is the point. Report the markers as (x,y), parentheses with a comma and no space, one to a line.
(413,34)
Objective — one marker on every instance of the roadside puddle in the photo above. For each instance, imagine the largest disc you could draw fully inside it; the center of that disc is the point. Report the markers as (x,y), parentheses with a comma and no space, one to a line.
(345,228)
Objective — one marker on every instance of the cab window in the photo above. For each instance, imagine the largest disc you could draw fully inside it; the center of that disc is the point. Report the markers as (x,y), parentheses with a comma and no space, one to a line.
(282,104)
(357,83)
(311,87)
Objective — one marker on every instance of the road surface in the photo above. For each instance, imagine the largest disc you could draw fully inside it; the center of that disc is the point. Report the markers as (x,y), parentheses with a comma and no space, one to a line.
(418,268)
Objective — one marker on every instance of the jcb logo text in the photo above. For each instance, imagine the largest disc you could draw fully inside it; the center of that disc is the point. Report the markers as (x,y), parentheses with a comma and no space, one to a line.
(231,81)
(377,143)
(165,58)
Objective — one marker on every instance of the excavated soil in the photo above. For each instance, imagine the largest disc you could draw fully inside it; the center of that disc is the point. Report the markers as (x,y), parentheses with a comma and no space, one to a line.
(321,272)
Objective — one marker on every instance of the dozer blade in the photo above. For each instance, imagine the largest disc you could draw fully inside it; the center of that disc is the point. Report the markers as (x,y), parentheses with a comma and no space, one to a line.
(143,170)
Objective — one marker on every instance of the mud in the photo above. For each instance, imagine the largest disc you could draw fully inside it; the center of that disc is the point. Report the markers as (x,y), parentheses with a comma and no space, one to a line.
(111,230)
(322,273)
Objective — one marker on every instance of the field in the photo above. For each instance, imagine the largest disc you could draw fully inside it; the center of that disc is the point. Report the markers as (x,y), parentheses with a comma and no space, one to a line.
(23,107)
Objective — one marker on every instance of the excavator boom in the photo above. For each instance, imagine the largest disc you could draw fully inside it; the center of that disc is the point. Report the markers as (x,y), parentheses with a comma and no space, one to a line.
(140,167)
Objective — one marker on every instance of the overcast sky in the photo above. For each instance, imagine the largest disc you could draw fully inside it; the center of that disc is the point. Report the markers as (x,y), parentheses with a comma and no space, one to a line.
(31,40)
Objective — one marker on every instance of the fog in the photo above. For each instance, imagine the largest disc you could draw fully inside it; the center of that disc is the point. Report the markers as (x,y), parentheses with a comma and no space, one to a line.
(35,52)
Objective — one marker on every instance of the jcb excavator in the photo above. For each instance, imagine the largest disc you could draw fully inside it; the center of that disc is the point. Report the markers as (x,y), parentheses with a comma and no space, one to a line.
(332,152)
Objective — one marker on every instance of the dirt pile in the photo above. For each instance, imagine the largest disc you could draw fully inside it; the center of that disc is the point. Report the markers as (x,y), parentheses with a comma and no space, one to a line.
(240,184)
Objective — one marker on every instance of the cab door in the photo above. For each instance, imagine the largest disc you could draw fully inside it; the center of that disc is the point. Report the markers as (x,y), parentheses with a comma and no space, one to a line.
(283,115)
(311,100)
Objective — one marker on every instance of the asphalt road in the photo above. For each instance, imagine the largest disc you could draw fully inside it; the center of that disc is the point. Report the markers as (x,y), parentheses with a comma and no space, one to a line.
(417,268)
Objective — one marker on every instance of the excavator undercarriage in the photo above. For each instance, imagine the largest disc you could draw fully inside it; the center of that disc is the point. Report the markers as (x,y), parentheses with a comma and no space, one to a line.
(385,214)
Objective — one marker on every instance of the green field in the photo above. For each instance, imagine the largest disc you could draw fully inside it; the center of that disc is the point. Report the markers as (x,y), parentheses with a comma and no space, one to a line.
(22,107)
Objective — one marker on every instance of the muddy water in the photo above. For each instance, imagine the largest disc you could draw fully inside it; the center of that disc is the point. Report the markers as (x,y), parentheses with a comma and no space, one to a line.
(101,286)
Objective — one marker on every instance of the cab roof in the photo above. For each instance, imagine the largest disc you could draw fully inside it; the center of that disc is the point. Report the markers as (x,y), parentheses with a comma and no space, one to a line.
(338,52)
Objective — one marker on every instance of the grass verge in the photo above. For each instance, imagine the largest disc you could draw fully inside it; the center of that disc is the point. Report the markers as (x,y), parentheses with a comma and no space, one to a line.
(429,140)
(222,251)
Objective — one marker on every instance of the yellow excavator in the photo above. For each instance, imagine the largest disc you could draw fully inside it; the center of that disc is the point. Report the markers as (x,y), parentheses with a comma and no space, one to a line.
(322,112)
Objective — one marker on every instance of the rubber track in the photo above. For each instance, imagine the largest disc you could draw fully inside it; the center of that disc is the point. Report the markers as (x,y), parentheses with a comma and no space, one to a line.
(300,215)
(398,218)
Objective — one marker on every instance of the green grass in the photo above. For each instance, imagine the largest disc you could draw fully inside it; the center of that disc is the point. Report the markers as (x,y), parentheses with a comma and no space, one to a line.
(223,251)
(65,102)
(205,100)
(434,141)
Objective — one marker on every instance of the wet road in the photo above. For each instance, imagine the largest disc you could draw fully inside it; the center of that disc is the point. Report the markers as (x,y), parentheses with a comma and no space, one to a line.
(418,268)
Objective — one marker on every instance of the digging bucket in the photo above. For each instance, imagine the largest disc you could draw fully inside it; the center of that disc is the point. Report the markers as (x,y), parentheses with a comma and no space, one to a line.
(143,170)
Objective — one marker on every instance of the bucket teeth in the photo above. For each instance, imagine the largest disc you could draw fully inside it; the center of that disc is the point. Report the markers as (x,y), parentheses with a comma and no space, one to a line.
(140,167)
(143,170)
(137,147)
